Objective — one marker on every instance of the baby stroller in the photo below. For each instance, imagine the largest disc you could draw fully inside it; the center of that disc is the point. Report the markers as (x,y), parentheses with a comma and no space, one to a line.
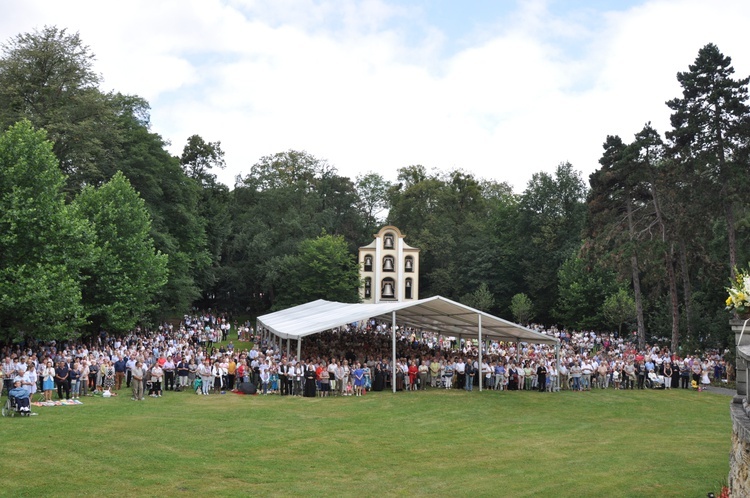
(12,407)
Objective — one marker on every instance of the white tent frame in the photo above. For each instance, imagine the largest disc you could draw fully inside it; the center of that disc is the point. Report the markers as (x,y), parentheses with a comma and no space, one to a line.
(436,314)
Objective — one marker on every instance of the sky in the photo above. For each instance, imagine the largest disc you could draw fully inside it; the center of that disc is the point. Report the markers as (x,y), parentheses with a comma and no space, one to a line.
(500,89)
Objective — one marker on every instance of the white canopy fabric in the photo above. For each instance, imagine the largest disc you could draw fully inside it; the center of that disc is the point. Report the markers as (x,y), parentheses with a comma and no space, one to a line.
(436,314)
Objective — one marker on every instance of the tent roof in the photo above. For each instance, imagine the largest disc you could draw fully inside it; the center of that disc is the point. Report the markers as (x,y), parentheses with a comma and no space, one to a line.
(434,313)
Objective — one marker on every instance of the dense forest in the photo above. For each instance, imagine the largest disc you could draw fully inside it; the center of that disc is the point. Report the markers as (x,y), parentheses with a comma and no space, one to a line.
(102,228)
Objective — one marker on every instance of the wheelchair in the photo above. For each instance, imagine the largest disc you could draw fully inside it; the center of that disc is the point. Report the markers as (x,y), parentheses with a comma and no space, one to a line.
(11,408)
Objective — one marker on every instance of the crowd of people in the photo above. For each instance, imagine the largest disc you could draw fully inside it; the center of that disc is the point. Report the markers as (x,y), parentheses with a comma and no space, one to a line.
(199,355)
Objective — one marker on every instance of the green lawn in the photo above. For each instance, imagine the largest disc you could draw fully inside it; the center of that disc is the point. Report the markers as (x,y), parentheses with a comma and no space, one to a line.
(439,443)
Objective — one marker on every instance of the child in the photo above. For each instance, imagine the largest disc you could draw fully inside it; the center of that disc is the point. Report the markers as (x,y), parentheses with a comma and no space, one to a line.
(616,378)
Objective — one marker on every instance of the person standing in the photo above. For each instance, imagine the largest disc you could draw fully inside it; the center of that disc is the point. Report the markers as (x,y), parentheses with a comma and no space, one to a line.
(108,375)
(541,375)
(30,379)
(136,381)
(310,386)
(359,380)
(75,380)
(232,372)
(129,365)
(469,373)
(586,370)
(563,376)
(48,380)
(667,375)
(204,372)
(460,371)
(62,379)
(183,372)
(423,376)
(157,375)
(120,366)
(169,370)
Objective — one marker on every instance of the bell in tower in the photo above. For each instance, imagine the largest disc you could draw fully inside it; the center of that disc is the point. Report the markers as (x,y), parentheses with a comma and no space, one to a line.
(388,242)
(388,264)
(408,265)
(388,289)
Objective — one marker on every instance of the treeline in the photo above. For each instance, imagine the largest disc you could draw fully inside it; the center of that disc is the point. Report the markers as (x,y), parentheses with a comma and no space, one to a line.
(103,228)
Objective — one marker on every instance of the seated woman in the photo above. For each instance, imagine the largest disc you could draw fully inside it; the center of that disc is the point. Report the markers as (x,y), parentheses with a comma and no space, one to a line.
(20,396)
(656,380)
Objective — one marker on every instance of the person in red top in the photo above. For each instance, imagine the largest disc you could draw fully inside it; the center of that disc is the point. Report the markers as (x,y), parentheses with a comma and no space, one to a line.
(413,373)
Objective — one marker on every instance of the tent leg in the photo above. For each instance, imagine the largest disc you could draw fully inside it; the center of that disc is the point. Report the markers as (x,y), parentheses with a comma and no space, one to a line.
(393,364)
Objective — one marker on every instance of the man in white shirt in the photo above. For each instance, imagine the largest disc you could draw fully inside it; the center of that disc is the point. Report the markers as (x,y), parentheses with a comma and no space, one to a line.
(586,370)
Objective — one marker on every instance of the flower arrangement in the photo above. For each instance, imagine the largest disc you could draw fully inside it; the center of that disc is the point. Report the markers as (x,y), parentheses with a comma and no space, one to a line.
(739,293)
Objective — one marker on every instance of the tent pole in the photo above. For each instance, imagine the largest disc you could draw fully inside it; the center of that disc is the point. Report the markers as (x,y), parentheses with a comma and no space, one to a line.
(287,347)
(481,373)
(393,363)
(557,366)
(299,349)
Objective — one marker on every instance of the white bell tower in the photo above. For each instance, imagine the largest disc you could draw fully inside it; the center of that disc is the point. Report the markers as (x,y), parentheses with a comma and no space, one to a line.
(389,268)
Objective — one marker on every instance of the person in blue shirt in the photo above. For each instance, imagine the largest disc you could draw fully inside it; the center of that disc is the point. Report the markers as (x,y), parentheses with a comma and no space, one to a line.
(20,396)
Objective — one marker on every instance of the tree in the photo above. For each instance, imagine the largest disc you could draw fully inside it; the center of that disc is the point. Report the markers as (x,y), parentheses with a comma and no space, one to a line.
(710,132)
(481,299)
(619,309)
(172,199)
(200,157)
(581,287)
(323,268)
(522,308)
(551,222)
(127,271)
(287,198)
(616,191)
(372,190)
(47,77)
(43,244)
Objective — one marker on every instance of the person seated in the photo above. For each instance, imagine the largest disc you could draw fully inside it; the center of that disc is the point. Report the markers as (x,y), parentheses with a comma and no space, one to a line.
(20,397)
(656,380)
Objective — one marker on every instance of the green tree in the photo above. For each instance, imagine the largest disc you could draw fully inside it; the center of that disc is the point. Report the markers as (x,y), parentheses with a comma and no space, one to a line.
(200,157)
(323,268)
(127,271)
(581,287)
(43,244)
(481,299)
(612,227)
(47,76)
(172,199)
(551,222)
(710,132)
(198,160)
(372,190)
(287,198)
(522,308)
(619,309)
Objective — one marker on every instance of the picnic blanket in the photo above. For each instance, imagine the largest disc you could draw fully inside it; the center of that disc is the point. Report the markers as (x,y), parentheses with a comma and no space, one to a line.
(62,402)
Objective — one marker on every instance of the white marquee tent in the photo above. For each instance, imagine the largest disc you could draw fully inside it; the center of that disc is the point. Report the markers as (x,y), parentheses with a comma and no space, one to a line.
(436,314)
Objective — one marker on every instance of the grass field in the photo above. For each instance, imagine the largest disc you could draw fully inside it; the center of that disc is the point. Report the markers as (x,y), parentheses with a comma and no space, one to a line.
(439,443)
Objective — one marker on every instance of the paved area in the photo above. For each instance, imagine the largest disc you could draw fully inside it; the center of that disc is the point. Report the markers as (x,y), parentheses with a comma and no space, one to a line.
(721,390)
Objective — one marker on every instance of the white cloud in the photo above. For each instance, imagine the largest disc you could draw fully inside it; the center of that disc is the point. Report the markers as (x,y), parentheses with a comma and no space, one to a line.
(372,86)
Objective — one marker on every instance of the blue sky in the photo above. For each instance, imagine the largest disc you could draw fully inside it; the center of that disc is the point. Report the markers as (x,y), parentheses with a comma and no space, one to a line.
(500,89)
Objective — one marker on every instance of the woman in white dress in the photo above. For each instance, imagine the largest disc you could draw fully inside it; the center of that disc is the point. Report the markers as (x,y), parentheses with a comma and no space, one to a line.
(29,379)
(704,374)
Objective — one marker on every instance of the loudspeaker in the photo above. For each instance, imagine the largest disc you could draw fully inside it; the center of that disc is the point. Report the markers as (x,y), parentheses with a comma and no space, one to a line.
(247,388)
